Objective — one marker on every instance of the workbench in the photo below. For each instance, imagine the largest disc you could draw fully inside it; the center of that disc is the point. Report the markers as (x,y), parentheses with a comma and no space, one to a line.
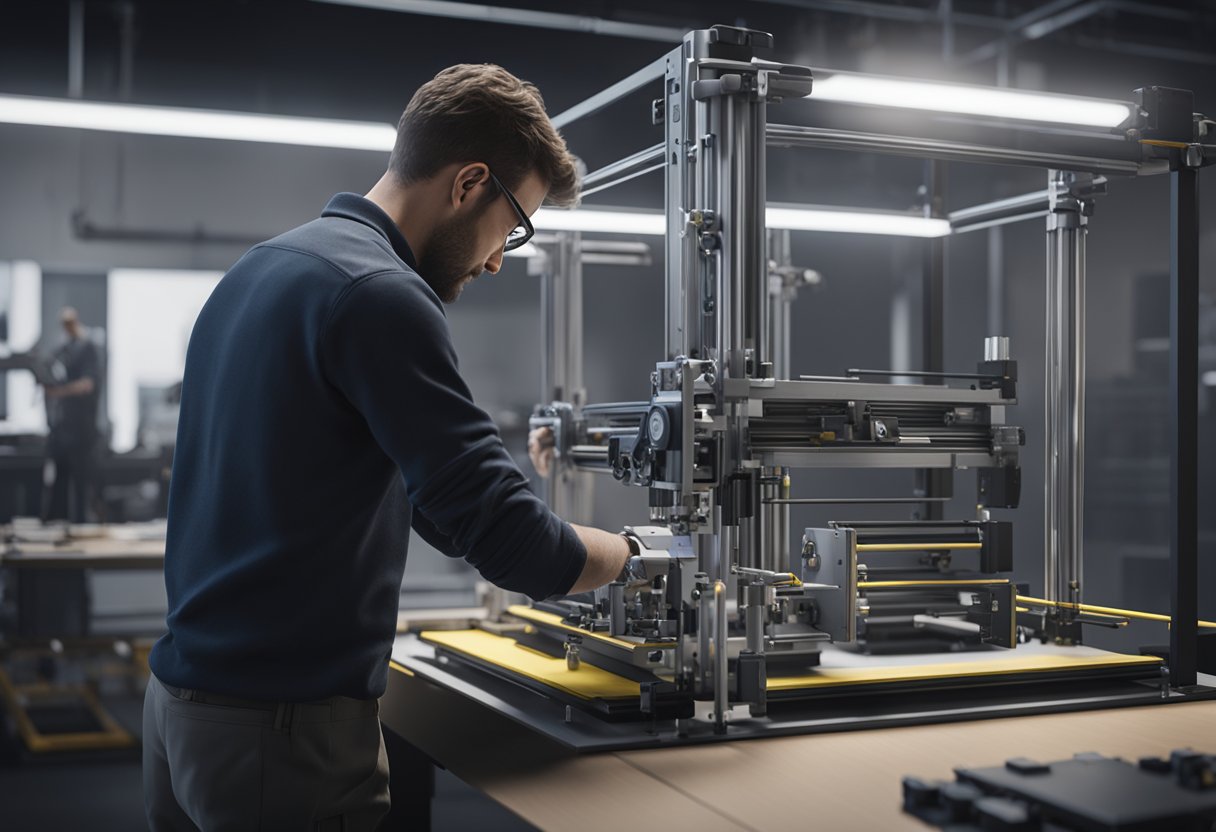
(837,781)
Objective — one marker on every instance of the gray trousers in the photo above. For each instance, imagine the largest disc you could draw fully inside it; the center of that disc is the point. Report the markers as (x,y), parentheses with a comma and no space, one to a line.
(306,766)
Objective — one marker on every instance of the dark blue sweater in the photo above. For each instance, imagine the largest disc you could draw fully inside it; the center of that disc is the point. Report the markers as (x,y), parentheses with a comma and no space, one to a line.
(322,413)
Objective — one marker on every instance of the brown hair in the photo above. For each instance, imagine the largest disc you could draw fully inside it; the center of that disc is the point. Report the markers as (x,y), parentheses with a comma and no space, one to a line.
(482,113)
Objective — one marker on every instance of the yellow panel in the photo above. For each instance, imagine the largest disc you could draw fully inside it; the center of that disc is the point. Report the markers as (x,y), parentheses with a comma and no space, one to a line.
(550,619)
(588,682)
(1013,662)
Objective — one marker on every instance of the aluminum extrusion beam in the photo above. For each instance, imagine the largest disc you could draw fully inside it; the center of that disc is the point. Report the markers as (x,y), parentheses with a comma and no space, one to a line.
(999,212)
(622,170)
(483,13)
(653,71)
(791,135)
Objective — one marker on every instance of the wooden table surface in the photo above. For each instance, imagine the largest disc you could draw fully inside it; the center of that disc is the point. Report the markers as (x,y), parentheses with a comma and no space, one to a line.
(842,781)
(86,553)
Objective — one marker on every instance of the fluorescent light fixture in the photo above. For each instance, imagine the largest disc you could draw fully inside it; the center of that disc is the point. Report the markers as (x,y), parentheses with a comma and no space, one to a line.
(822,218)
(968,100)
(526,250)
(600,220)
(855,222)
(202,124)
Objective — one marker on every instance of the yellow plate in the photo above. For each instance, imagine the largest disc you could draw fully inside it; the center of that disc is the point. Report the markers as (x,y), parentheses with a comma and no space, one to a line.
(1011,662)
(588,682)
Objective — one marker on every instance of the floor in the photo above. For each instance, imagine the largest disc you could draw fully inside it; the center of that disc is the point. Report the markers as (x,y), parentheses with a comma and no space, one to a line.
(104,792)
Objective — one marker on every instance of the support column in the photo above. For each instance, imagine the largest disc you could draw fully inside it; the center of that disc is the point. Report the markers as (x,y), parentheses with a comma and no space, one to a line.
(1064,434)
(1184,424)
(568,491)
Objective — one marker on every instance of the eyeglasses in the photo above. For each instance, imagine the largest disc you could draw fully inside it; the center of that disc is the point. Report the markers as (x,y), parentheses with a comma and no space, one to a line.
(521,233)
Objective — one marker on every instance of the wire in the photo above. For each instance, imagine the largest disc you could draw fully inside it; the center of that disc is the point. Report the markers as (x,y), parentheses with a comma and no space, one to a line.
(1068,605)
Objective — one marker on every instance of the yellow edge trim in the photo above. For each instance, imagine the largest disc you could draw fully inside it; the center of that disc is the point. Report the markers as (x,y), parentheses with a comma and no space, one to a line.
(836,676)
(914,547)
(400,668)
(1094,608)
(588,682)
(553,620)
(890,584)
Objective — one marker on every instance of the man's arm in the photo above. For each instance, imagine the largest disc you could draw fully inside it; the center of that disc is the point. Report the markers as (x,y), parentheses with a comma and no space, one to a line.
(387,349)
(606,557)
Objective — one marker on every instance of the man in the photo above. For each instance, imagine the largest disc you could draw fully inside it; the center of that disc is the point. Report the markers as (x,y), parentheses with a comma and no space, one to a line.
(72,416)
(322,414)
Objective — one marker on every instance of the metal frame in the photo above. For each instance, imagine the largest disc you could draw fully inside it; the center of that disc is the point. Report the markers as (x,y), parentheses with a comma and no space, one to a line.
(720,348)
(1076,162)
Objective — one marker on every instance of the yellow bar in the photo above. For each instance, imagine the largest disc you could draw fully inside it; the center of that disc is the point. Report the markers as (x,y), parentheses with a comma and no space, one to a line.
(914,547)
(1068,605)
(892,584)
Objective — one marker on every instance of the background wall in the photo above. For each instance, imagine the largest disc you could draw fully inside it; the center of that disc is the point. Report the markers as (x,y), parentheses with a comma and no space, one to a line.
(311,58)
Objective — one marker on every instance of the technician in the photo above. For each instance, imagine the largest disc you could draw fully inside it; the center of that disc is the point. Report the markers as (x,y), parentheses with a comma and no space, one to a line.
(323,415)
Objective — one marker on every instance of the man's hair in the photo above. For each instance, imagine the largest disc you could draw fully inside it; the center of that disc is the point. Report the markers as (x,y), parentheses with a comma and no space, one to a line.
(482,113)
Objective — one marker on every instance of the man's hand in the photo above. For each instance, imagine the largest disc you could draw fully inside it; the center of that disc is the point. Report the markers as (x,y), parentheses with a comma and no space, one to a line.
(541,450)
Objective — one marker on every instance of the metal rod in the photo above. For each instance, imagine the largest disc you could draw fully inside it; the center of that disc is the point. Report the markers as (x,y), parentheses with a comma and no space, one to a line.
(995,224)
(790,135)
(916,547)
(1014,206)
(644,161)
(76,49)
(920,374)
(1097,610)
(829,501)
(653,71)
(483,13)
(720,658)
(929,584)
(1064,416)
(1184,427)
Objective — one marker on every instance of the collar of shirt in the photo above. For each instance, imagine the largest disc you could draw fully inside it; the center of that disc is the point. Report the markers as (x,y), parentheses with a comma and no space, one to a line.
(362,209)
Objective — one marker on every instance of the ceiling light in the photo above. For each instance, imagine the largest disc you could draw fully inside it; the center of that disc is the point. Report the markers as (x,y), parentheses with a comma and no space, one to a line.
(202,124)
(967,100)
(600,220)
(856,222)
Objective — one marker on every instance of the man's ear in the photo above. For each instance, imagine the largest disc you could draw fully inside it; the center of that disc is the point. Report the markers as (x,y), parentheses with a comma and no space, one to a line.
(464,185)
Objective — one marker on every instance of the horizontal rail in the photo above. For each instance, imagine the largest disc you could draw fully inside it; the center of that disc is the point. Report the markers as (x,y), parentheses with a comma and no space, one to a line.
(792,135)
(653,71)
(622,170)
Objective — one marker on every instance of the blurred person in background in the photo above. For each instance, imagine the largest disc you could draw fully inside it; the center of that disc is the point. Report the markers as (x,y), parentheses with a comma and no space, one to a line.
(72,416)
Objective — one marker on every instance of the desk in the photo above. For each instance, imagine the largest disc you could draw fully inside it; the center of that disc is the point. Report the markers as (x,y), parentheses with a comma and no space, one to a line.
(93,553)
(843,781)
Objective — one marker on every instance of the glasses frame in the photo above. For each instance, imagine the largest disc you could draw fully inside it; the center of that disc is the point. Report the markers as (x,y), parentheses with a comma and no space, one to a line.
(524,222)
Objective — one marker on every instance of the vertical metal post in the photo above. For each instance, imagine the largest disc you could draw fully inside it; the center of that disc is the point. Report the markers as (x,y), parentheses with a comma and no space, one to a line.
(933,319)
(569,492)
(684,300)
(780,297)
(76,49)
(1184,427)
(1065,395)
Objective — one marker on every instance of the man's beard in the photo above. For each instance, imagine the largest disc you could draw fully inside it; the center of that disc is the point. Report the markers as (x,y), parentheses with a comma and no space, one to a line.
(449,260)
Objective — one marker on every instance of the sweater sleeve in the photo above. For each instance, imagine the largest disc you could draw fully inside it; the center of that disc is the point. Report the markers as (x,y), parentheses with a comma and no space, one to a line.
(387,348)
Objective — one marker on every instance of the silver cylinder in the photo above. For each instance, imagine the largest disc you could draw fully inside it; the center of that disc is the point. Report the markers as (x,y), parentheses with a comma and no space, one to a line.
(996,348)
(755,597)
(721,702)
(1064,420)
